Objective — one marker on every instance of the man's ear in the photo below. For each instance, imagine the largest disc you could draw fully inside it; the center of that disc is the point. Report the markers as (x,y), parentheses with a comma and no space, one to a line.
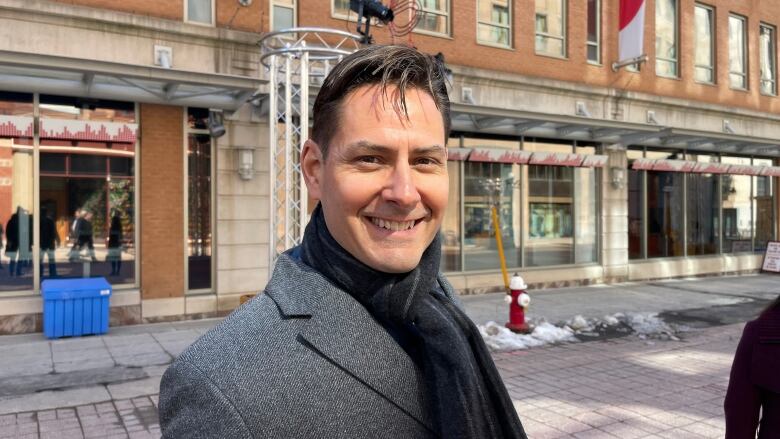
(312,164)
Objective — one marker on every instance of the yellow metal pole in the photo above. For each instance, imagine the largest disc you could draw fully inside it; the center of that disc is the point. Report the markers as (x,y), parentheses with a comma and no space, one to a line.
(500,244)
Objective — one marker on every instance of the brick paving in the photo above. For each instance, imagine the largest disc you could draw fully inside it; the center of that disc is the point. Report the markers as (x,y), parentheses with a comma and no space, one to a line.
(620,388)
(134,418)
(624,388)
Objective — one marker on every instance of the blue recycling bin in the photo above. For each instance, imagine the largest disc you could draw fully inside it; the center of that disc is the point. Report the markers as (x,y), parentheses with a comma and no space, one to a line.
(74,307)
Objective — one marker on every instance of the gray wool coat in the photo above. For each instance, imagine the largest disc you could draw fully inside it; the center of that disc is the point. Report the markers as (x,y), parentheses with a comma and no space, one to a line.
(302,360)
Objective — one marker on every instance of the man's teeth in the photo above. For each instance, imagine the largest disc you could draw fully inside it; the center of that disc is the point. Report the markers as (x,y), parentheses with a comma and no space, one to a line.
(395,226)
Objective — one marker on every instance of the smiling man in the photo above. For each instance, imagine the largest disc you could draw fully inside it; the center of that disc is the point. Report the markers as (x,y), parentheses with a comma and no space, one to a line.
(357,334)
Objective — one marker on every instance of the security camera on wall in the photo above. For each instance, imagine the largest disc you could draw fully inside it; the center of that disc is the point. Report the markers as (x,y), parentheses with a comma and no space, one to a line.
(244,2)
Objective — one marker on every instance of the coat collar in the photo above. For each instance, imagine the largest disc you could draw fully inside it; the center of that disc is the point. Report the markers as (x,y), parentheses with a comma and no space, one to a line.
(342,331)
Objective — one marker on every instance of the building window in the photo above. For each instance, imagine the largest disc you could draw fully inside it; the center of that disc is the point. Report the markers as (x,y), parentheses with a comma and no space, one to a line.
(636,208)
(704,44)
(767,51)
(594,31)
(666,38)
(551,27)
(543,220)
(434,16)
(283,14)
(664,214)
(763,207)
(341,8)
(737,53)
(488,186)
(451,225)
(199,11)
(494,18)
(199,195)
(737,209)
(16,192)
(87,189)
(702,212)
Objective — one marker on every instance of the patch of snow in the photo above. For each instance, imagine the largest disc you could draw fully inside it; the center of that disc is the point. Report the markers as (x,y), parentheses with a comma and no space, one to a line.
(578,323)
(729,300)
(644,325)
(499,338)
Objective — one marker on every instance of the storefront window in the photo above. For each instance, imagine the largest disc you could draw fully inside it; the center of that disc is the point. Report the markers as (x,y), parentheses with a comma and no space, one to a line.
(550,215)
(199,228)
(737,209)
(586,210)
(87,189)
(636,205)
(763,210)
(488,185)
(664,214)
(450,227)
(16,191)
(702,214)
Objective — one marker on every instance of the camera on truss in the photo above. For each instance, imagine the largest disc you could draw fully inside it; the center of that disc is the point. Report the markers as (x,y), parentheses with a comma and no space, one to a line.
(366,10)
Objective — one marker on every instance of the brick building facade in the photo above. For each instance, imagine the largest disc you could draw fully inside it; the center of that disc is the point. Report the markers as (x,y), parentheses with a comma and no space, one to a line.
(597,175)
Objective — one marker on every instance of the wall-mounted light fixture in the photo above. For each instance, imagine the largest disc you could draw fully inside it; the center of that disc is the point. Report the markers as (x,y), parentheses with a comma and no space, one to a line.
(617,177)
(246,162)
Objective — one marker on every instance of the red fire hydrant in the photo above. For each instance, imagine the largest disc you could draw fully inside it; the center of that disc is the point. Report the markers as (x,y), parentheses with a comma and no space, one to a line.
(518,302)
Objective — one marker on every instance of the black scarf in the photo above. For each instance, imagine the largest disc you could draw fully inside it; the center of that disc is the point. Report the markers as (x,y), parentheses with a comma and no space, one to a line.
(468,397)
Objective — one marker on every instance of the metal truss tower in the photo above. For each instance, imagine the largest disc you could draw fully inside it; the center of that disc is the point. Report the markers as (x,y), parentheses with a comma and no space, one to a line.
(297,59)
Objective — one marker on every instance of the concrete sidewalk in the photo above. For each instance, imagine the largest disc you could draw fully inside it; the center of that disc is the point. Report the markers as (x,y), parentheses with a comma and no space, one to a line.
(101,386)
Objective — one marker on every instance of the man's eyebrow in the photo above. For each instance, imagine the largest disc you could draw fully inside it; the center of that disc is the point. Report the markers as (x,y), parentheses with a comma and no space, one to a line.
(364,146)
(430,150)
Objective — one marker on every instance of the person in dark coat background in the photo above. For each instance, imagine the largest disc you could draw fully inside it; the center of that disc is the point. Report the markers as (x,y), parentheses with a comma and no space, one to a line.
(18,242)
(49,241)
(754,385)
(115,245)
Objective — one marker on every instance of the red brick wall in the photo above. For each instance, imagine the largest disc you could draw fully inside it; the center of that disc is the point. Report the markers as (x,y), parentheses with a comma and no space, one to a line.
(229,13)
(162,200)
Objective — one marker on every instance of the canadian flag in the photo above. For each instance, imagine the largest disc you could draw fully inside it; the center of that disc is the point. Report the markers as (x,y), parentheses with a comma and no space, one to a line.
(632,29)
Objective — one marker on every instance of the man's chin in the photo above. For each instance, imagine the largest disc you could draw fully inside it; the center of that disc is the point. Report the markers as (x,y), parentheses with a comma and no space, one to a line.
(393,264)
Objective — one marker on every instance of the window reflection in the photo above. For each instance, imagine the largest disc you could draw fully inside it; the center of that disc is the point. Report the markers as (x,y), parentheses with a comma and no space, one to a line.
(737,52)
(87,189)
(551,27)
(16,191)
(764,213)
(664,214)
(737,214)
(450,227)
(550,215)
(702,214)
(489,185)
(666,38)
(199,211)
(704,44)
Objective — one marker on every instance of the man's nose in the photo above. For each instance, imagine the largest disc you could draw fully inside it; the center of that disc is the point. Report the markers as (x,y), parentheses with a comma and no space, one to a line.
(401,189)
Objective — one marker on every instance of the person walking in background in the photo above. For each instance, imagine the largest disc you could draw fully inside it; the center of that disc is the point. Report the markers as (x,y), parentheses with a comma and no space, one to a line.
(86,234)
(12,242)
(49,241)
(75,227)
(115,245)
(754,386)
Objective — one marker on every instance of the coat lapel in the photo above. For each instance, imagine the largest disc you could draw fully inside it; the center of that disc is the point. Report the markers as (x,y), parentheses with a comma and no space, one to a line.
(341,330)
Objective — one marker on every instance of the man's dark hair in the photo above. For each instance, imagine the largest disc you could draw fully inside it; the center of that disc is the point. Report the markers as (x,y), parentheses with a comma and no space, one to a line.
(400,67)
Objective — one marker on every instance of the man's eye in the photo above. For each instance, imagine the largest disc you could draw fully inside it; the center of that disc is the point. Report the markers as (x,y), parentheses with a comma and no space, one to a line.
(427,161)
(368,160)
